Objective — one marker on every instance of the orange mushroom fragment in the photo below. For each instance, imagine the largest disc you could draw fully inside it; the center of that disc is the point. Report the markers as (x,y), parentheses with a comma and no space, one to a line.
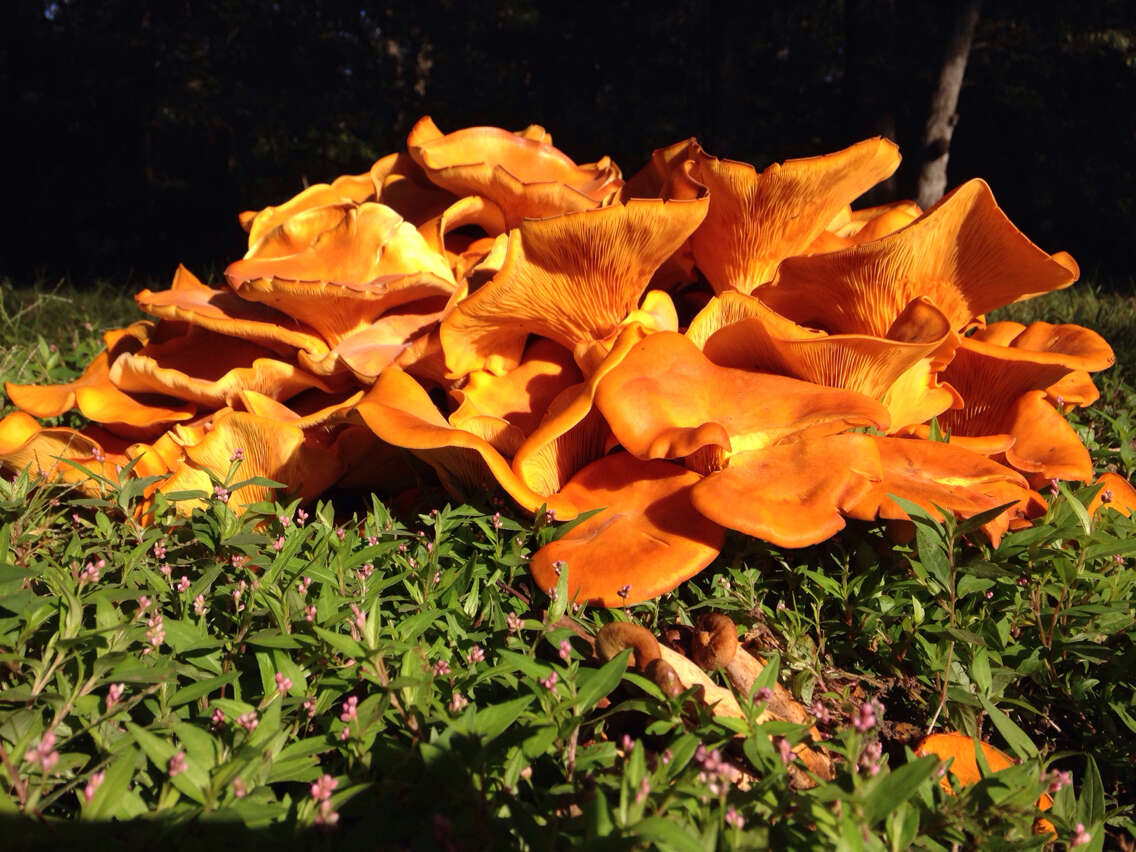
(646,540)
(959,749)
(666,399)
(521,172)
(793,495)
(963,255)
(1116,494)
(348,189)
(756,220)
(571,278)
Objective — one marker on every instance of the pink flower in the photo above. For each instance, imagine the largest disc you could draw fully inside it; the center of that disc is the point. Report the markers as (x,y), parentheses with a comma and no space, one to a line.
(734,819)
(303,585)
(283,684)
(301,517)
(221,493)
(176,765)
(644,789)
(183,584)
(309,706)
(784,750)
(92,786)
(441,668)
(89,574)
(114,695)
(248,721)
(350,709)
(1058,780)
(340,533)
(865,718)
(284,520)
(323,788)
(458,702)
(218,717)
(366,571)
(199,605)
(1080,836)
(565,650)
(240,789)
(496,521)
(550,681)
(513,622)
(237,455)
(160,549)
(763,694)
(476,655)
(165,569)
(278,545)
(310,613)
(359,620)
(44,753)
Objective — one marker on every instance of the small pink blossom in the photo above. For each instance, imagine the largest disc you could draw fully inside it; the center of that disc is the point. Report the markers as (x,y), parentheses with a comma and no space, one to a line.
(44,754)
(278,544)
(513,622)
(458,702)
(89,574)
(183,584)
(92,786)
(475,655)
(240,789)
(784,750)
(496,521)
(218,717)
(1080,836)
(441,668)
(143,602)
(176,765)
(565,650)
(624,591)
(114,695)
(1058,780)
(221,493)
(820,712)
(160,549)
(643,791)
(248,721)
(238,455)
(164,568)
(763,694)
(309,705)
(367,570)
(283,683)
(350,710)
(345,734)
(310,613)
(199,605)
(550,681)
(323,788)
(734,819)
(359,619)
(284,520)
(326,815)
(301,517)
(865,717)
(303,585)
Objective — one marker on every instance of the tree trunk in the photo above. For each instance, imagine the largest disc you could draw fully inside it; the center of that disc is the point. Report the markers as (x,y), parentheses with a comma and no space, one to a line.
(943,115)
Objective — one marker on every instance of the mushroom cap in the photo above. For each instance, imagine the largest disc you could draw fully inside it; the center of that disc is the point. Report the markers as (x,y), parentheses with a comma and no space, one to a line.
(523,173)
(963,255)
(793,494)
(715,641)
(666,399)
(347,189)
(1116,494)
(756,220)
(571,278)
(960,750)
(617,636)
(646,539)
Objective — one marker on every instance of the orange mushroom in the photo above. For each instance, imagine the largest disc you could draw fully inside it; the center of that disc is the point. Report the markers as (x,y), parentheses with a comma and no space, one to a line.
(665,399)
(646,540)
(1116,494)
(959,749)
(756,220)
(348,189)
(521,172)
(572,279)
(963,255)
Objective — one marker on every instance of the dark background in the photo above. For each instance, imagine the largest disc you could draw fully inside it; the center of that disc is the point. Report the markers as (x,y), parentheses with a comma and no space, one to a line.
(136,131)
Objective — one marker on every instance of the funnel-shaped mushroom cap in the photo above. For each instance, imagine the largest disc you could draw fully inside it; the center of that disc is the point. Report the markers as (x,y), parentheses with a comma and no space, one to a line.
(337,269)
(471,210)
(1005,390)
(53,400)
(399,411)
(647,539)
(269,448)
(667,400)
(507,409)
(1116,494)
(210,369)
(572,278)
(963,255)
(939,475)
(899,370)
(348,189)
(46,452)
(572,432)
(864,225)
(224,312)
(792,495)
(310,409)
(404,187)
(524,175)
(758,220)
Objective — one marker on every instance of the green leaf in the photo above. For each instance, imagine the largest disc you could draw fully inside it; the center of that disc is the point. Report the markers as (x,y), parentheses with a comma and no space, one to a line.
(594,684)
(192,782)
(1078,508)
(1090,803)
(201,688)
(896,787)
(493,720)
(117,779)
(668,834)
(1017,739)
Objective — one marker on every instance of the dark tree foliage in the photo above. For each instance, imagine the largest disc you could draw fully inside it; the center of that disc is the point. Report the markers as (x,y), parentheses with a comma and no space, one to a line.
(138,130)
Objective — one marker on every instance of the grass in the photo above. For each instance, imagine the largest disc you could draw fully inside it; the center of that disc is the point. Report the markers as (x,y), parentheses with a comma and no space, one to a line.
(356,675)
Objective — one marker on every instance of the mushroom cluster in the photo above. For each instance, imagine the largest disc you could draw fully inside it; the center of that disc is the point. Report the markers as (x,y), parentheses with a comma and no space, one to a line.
(702,346)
